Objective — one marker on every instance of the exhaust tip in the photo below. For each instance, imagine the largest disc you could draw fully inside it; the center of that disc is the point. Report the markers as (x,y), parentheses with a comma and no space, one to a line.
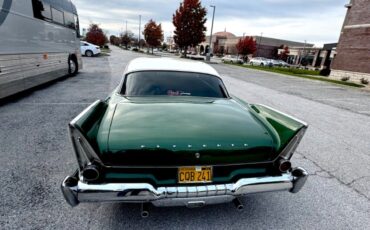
(144,210)
(90,173)
(144,214)
(238,205)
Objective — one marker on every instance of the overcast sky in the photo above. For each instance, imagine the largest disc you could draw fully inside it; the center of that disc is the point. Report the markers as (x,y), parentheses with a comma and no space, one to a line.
(317,21)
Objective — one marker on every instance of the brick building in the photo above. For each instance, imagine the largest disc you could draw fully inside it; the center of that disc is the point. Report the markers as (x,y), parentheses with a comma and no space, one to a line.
(353,50)
(225,43)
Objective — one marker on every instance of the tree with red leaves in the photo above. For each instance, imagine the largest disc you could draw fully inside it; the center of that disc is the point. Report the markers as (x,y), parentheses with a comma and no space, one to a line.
(189,21)
(95,35)
(284,54)
(246,45)
(153,34)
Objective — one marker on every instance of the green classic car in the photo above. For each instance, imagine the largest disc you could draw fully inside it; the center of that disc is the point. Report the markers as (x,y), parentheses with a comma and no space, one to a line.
(171,135)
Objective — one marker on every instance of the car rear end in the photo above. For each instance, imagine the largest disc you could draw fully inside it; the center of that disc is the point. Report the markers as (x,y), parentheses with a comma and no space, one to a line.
(181,174)
(96,49)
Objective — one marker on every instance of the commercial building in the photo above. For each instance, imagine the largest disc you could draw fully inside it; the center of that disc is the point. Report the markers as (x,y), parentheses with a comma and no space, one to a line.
(225,43)
(353,50)
(317,58)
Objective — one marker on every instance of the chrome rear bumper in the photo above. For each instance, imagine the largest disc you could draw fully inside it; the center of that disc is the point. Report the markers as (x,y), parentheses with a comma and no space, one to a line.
(76,191)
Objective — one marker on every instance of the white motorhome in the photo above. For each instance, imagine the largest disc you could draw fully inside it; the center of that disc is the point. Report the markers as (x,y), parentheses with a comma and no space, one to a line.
(39,42)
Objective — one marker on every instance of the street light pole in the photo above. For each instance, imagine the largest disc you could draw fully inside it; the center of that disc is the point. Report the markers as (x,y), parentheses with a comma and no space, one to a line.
(139,29)
(208,57)
(259,43)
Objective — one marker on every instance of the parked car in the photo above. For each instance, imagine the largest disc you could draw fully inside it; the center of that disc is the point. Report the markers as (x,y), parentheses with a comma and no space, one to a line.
(260,61)
(170,134)
(89,49)
(283,63)
(275,62)
(232,59)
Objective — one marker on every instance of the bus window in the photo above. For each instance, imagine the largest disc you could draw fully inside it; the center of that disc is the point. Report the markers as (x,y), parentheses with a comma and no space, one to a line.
(57,16)
(77,23)
(69,20)
(41,10)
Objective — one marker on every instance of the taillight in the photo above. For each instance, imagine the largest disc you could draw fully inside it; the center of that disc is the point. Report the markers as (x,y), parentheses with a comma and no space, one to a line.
(283,165)
(90,173)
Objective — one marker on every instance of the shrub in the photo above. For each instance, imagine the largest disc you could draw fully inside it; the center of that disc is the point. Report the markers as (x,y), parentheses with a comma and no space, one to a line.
(344,79)
(364,81)
(325,72)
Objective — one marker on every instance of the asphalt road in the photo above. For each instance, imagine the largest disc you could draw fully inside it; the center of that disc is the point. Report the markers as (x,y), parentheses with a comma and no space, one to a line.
(35,156)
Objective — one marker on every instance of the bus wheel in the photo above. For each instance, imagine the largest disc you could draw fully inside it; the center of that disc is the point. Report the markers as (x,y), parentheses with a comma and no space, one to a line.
(72,66)
(89,53)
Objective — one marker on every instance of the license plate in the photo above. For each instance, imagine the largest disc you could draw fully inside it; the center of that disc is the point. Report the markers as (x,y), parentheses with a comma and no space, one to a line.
(196,174)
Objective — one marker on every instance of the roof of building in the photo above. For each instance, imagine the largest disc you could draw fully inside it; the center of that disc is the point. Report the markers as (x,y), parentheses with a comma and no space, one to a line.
(169,64)
(278,42)
(225,34)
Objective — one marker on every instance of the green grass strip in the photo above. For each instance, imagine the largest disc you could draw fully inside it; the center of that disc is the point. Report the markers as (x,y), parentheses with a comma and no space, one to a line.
(299,73)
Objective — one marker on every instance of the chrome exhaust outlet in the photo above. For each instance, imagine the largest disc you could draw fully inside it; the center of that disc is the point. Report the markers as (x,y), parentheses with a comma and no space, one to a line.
(144,210)
(238,205)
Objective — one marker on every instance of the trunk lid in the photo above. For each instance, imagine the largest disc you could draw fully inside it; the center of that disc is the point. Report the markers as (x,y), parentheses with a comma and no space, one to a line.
(185,131)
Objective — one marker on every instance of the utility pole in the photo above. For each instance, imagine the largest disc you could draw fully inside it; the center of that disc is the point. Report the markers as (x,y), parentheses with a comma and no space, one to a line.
(259,43)
(208,57)
(126,26)
(139,29)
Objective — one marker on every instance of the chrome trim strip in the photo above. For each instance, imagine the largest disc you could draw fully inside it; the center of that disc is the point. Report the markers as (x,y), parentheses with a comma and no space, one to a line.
(76,191)
(73,122)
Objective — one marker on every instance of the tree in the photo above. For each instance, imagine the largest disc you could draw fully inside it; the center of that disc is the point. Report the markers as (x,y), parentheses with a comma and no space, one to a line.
(284,54)
(114,40)
(127,38)
(246,45)
(164,46)
(153,34)
(189,21)
(95,35)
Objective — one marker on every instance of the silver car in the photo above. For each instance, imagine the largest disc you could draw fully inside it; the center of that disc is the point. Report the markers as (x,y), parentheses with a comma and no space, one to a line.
(232,59)
(260,61)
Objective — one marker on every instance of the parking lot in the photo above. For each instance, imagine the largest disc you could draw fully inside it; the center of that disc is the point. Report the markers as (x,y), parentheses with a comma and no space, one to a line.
(36,155)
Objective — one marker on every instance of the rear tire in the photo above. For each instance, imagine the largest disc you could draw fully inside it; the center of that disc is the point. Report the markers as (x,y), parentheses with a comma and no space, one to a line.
(89,53)
(72,66)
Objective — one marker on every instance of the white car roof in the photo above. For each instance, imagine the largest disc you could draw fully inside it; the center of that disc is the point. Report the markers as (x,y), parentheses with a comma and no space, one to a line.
(169,64)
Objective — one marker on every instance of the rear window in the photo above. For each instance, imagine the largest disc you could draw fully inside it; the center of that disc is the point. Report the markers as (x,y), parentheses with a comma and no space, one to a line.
(164,83)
